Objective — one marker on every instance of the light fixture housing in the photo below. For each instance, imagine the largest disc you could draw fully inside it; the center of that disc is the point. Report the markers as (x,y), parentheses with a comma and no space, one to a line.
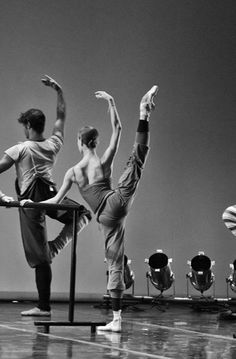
(160,273)
(200,275)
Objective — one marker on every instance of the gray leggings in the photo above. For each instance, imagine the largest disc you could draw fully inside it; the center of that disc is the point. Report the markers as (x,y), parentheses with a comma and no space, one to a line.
(113,216)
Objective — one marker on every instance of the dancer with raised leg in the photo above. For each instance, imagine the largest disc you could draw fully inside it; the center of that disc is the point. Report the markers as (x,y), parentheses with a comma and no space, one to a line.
(111,206)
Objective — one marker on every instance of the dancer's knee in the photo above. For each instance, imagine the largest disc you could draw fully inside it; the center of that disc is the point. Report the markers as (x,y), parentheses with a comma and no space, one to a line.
(82,222)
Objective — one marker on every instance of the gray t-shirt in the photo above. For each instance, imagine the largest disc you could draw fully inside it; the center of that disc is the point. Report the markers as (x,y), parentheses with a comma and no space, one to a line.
(34,157)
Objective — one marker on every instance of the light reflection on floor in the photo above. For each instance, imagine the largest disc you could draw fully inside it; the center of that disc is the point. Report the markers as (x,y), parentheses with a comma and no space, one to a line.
(177,332)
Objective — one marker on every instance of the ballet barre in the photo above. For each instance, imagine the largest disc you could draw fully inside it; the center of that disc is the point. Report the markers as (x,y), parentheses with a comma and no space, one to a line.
(76,212)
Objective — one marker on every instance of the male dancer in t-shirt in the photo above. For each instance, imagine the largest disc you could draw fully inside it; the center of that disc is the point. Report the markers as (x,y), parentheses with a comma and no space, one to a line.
(34,160)
(93,177)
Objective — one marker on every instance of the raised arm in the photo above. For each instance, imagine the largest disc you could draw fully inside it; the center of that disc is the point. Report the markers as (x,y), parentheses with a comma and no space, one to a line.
(58,128)
(110,152)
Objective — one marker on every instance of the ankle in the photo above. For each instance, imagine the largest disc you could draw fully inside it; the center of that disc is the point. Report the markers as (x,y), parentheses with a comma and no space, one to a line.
(117,315)
(144,112)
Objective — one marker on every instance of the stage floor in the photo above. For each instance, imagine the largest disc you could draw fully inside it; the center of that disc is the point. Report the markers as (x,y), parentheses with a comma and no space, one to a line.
(148,332)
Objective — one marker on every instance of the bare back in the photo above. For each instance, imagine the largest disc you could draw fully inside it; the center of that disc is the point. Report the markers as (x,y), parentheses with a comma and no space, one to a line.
(91,170)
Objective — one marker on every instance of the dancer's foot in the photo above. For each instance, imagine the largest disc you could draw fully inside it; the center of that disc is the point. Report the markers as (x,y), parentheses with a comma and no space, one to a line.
(114,326)
(147,104)
(36,312)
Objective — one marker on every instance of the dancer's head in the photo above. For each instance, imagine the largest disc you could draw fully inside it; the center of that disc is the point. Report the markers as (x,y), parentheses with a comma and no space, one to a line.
(34,119)
(87,136)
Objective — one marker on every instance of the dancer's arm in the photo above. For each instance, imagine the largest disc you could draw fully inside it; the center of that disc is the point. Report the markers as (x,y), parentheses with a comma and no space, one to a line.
(66,185)
(5,163)
(58,128)
(107,158)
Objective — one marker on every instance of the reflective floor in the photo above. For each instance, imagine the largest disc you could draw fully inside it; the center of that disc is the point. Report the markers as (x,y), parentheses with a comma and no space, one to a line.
(176,331)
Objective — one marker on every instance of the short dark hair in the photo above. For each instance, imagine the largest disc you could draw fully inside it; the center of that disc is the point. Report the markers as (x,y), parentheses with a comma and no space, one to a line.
(88,136)
(35,118)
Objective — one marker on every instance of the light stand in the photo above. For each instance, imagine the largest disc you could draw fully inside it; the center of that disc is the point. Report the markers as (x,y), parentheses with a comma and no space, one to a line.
(160,274)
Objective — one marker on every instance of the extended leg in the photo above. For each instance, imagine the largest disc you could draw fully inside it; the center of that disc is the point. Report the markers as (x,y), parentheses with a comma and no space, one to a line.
(129,180)
(146,106)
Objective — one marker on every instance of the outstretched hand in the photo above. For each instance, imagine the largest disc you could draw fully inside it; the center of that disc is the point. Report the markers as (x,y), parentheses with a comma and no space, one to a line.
(104,95)
(49,81)
(7,199)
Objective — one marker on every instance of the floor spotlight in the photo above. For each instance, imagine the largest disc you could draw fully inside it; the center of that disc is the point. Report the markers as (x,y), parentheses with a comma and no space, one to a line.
(200,276)
(231,280)
(160,273)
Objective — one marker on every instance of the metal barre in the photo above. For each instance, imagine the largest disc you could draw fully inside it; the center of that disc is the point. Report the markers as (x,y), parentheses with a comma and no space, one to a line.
(41,205)
(75,209)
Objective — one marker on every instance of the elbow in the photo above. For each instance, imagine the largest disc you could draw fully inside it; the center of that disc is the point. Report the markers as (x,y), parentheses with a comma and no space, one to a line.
(119,128)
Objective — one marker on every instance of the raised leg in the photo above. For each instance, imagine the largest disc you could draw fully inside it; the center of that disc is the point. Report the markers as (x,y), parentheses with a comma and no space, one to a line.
(66,235)
(146,106)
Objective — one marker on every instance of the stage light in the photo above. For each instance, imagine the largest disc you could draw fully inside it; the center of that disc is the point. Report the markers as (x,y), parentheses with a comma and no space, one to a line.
(160,274)
(231,280)
(200,276)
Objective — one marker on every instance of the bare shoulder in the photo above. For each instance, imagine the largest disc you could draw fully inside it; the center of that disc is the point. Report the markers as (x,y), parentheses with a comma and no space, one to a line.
(77,169)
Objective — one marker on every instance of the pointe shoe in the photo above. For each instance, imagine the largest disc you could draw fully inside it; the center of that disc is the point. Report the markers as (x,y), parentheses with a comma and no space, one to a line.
(114,326)
(147,104)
